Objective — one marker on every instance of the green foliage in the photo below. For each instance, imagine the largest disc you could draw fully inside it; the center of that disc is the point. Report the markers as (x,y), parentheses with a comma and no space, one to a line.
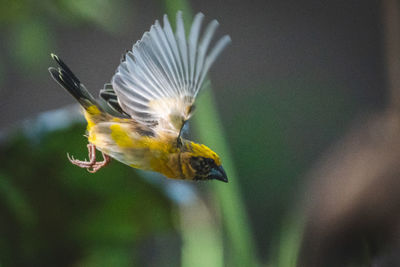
(242,248)
(290,240)
(30,44)
(101,13)
(56,214)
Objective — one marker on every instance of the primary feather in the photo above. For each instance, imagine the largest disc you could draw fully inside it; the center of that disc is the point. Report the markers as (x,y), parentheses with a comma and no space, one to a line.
(159,79)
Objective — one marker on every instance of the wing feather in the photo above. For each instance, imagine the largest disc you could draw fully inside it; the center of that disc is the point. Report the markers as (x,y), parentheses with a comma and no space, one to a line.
(182,44)
(147,62)
(205,42)
(193,39)
(168,53)
(210,59)
(159,79)
(174,47)
(161,57)
(110,99)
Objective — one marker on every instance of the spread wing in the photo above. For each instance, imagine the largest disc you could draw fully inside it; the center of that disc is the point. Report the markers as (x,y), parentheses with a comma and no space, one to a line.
(159,79)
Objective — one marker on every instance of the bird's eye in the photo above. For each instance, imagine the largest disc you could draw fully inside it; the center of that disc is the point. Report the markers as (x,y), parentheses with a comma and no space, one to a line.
(209,161)
(200,164)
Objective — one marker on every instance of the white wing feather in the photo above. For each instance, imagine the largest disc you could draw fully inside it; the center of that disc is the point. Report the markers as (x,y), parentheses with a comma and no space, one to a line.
(162,75)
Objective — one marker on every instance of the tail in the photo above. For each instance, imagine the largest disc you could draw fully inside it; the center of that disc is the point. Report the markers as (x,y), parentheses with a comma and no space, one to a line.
(67,79)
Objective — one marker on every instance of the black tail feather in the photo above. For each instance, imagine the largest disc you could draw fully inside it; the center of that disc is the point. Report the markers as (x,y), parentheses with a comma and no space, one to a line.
(67,79)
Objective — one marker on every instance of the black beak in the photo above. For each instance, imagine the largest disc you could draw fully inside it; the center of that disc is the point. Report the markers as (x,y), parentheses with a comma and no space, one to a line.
(218,173)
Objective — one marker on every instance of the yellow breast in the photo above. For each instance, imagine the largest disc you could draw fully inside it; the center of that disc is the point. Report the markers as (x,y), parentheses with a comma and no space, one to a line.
(121,142)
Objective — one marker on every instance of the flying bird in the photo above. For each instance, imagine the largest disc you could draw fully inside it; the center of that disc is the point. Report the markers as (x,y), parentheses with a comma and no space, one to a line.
(139,117)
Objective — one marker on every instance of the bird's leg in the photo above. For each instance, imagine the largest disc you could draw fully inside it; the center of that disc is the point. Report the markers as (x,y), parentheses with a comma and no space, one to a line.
(84,163)
(98,165)
(91,165)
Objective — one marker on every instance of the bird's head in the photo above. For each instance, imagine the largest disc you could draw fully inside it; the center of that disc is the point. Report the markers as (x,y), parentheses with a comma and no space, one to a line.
(201,163)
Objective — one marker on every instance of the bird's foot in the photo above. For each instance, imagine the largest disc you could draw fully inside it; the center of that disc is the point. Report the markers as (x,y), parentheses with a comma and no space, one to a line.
(92,165)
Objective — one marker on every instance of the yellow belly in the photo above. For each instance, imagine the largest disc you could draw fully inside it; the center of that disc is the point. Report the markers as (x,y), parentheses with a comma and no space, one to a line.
(121,142)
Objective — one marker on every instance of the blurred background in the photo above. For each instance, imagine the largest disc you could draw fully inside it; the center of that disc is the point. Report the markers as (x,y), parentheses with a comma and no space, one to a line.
(304,111)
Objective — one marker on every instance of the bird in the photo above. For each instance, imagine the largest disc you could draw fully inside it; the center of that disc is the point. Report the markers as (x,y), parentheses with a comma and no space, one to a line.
(140,116)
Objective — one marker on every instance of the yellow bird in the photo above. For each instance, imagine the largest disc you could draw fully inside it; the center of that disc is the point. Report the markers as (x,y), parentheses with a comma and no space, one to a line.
(139,117)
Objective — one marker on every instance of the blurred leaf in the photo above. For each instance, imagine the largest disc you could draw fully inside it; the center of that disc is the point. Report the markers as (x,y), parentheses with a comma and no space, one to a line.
(173,6)
(291,237)
(30,45)
(109,256)
(13,11)
(228,195)
(15,201)
(201,236)
(106,13)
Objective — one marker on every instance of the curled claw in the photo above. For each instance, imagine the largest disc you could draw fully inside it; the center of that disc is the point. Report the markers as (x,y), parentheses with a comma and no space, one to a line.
(91,165)
(98,165)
